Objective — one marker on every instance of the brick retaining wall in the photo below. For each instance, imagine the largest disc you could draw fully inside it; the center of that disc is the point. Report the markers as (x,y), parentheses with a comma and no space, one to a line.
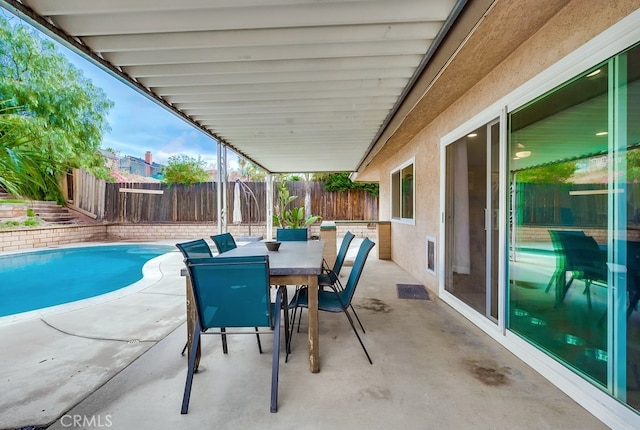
(13,240)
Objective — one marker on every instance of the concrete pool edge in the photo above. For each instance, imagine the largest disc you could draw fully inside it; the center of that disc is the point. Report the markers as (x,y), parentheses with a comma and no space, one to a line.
(90,345)
(151,273)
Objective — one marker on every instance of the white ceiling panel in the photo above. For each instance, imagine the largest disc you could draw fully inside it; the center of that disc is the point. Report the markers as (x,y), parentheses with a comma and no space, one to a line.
(294,85)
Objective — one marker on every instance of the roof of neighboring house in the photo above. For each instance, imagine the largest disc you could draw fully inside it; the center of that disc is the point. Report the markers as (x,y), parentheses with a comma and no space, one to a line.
(123,177)
(142,161)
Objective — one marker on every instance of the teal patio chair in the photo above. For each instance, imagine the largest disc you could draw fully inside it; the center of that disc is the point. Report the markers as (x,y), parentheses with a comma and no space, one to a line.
(233,292)
(224,242)
(336,300)
(331,276)
(195,249)
(199,248)
(291,234)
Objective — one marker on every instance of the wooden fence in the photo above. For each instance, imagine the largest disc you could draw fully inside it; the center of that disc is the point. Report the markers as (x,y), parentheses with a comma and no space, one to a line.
(158,203)
(584,205)
(85,193)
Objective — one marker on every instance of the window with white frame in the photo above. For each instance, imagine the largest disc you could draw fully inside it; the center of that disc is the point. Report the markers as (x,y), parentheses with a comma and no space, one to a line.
(402,192)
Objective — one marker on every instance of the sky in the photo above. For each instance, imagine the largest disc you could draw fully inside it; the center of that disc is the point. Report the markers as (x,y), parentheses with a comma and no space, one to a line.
(137,123)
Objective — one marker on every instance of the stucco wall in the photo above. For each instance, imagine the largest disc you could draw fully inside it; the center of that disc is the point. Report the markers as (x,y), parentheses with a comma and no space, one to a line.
(572,26)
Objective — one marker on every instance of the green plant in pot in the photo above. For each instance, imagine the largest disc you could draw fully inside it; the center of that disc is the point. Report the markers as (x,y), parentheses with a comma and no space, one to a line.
(290,218)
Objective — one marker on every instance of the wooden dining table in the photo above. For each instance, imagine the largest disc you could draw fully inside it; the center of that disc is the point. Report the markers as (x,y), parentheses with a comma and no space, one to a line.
(295,263)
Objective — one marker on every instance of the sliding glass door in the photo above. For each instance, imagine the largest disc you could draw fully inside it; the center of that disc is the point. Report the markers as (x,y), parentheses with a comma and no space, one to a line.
(574,225)
(471,219)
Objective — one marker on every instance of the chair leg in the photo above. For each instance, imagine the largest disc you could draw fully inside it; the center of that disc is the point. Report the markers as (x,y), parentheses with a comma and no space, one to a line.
(185,348)
(190,369)
(587,291)
(358,336)
(358,319)
(299,319)
(285,310)
(224,340)
(276,356)
(258,336)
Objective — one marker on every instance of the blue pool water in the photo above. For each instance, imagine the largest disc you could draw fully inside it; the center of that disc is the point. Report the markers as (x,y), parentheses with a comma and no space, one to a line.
(35,280)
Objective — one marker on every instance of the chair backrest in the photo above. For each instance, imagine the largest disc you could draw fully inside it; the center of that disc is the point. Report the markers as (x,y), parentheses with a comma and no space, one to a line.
(224,242)
(195,249)
(558,239)
(291,235)
(231,291)
(358,265)
(342,254)
(582,254)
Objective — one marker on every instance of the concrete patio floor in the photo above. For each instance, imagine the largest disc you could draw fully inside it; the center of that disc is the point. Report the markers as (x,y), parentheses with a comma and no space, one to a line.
(117,364)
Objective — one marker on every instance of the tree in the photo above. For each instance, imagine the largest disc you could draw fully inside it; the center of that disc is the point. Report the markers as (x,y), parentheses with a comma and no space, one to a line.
(550,174)
(250,171)
(182,169)
(68,114)
(341,182)
(20,165)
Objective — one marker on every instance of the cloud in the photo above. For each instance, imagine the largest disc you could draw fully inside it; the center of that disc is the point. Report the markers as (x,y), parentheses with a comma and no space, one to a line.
(138,124)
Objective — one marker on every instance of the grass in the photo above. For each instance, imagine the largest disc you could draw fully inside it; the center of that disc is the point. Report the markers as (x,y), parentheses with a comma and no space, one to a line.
(31,221)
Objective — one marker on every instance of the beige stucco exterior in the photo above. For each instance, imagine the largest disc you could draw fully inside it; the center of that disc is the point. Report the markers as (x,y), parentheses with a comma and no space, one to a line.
(513,42)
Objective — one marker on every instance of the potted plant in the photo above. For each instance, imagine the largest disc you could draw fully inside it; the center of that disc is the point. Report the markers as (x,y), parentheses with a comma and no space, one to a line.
(290,218)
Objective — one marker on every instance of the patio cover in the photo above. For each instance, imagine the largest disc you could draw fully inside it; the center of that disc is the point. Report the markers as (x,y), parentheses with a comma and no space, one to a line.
(292,85)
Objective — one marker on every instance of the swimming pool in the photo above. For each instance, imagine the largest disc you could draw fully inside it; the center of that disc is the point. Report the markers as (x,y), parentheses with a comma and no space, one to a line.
(39,279)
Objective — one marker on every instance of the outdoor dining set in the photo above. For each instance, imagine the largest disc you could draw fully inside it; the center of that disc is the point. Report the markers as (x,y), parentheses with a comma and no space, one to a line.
(243,290)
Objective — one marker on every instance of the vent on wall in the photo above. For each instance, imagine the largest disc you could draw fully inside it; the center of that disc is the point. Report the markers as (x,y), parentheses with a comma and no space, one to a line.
(431,255)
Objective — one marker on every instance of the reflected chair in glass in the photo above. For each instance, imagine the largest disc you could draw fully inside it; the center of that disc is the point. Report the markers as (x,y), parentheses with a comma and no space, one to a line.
(335,300)
(233,292)
(291,234)
(580,255)
(224,242)
(559,275)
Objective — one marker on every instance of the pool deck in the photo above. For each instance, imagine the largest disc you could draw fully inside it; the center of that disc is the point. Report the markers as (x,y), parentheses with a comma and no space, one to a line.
(116,363)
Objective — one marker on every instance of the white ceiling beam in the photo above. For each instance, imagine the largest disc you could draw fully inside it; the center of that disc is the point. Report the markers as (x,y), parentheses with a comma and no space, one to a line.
(328,118)
(253,53)
(181,101)
(286,108)
(275,78)
(155,20)
(279,87)
(263,37)
(308,64)
(83,7)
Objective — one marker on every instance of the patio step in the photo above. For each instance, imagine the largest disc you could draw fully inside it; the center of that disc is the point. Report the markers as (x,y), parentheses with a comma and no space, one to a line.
(53,213)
